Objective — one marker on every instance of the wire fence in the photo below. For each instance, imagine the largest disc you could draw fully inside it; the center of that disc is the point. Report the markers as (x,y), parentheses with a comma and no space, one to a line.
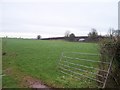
(85,65)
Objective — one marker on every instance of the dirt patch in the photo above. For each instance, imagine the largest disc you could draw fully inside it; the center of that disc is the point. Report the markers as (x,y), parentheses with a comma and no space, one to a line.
(33,83)
(8,71)
(24,80)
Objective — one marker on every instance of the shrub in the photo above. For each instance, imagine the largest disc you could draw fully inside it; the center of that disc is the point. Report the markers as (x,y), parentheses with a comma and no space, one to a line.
(110,50)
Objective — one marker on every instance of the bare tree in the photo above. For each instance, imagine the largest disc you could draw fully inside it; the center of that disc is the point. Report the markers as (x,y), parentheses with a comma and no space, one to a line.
(93,34)
(38,37)
(67,33)
(110,32)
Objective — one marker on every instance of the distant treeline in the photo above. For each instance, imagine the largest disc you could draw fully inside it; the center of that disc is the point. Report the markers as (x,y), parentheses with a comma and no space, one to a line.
(77,38)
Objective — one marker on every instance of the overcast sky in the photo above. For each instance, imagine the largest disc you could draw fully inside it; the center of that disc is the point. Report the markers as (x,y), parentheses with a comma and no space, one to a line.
(49,18)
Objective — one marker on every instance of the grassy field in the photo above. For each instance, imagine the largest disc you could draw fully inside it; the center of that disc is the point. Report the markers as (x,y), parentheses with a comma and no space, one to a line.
(39,59)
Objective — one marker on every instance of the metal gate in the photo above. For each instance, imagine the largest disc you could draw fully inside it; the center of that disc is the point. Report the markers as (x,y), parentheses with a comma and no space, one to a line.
(85,65)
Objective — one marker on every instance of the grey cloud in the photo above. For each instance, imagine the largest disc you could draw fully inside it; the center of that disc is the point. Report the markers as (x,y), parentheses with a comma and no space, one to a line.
(55,18)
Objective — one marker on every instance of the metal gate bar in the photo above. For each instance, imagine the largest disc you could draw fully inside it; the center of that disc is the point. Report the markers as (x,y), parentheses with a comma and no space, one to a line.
(86,60)
(81,75)
(66,69)
(86,66)
(74,76)
(83,70)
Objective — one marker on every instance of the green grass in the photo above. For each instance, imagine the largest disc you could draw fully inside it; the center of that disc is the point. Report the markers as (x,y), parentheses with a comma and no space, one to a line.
(9,82)
(39,59)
